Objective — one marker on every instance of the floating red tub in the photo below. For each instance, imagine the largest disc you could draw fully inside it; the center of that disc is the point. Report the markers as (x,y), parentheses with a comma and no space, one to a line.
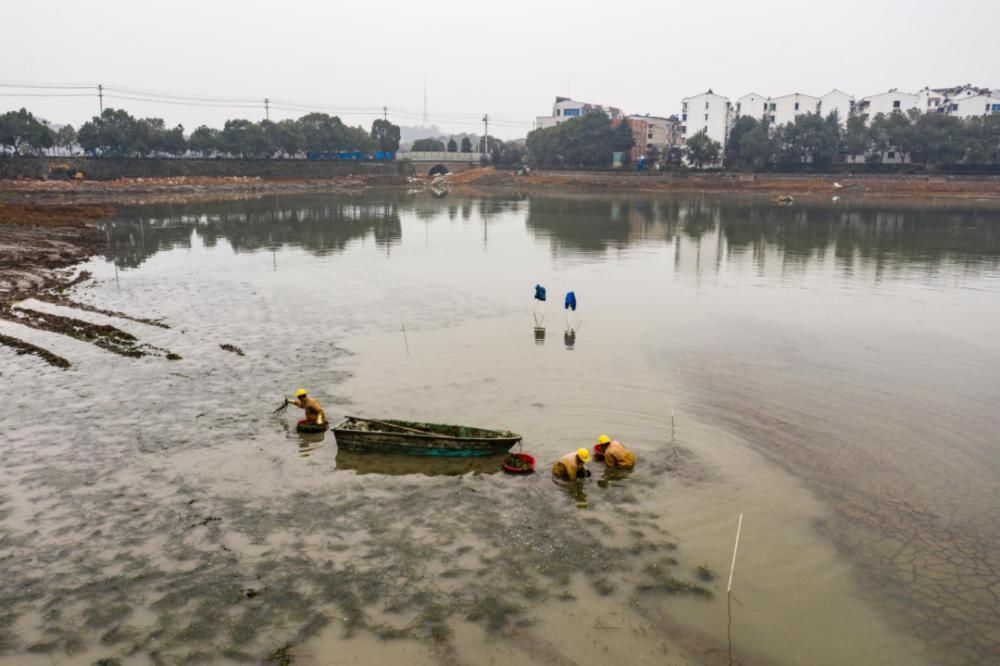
(519,463)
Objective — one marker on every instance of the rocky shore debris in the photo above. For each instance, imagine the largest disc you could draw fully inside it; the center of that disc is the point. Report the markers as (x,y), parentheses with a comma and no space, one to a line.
(231,348)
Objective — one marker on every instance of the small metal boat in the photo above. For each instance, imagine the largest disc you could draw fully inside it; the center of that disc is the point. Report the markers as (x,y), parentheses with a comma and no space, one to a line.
(420,439)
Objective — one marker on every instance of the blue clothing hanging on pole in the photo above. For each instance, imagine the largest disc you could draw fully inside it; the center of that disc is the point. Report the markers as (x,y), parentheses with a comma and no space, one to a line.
(539,292)
(570,303)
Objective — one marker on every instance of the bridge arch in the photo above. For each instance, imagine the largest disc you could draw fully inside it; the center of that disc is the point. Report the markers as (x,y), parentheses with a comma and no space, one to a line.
(438,170)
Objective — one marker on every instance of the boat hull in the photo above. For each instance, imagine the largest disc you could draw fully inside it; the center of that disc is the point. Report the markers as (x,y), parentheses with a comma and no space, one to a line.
(393,437)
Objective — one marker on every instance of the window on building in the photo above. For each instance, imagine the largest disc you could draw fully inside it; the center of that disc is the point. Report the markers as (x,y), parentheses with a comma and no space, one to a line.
(996,108)
(895,104)
(557,113)
(706,105)
(571,112)
(772,119)
(684,116)
(706,116)
(773,106)
(796,106)
(891,155)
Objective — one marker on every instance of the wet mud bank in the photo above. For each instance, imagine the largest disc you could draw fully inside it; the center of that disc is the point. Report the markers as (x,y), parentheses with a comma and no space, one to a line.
(39,246)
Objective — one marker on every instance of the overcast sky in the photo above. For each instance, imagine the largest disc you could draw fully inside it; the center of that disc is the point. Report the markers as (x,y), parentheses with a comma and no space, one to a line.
(508,58)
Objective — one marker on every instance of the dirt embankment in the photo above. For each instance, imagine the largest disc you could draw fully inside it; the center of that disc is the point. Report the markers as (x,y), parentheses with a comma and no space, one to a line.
(807,186)
(184,188)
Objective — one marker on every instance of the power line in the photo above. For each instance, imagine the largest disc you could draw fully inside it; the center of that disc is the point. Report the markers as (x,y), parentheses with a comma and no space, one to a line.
(46,94)
(150,97)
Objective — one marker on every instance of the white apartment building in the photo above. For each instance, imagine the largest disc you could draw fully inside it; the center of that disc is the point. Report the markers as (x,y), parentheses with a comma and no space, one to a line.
(784,109)
(752,105)
(973,106)
(565,108)
(886,103)
(707,111)
(839,101)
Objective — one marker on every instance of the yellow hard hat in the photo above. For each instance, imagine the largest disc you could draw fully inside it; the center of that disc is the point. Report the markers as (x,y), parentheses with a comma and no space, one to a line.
(603,439)
(583,454)
(300,393)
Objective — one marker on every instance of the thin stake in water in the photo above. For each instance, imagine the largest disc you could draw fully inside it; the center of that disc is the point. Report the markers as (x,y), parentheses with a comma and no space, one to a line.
(405,341)
(729,591)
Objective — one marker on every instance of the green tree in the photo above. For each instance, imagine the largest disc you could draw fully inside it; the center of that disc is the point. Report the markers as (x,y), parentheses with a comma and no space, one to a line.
(112,133)
(385,135)
(428,146)
(172,141)
(809,139)
(584,141)
(466,144)
(891,132)
(286,136)
(205,141)
(857,138)
(623,140)
(981,140)
(938,139)
(702,150)
(66,137)
(452,145)
(246,139)
(733,159)
(20,130)
(756,148)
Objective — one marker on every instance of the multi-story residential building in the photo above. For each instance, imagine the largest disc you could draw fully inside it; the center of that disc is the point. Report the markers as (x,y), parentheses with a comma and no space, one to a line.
(931,100)
(653,132)
(784,109)
(566,108)
(708,112)
(839,101)
(886,103)
(974,105)
(752,105)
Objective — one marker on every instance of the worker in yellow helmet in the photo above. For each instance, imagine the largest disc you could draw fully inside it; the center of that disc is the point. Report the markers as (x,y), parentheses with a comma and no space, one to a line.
(572,465)
(614,452)
(314,413)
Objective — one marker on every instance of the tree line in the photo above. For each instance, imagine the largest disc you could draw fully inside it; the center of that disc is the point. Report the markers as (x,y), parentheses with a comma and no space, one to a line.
(497,151)
(117,133)
(812,142)
(588,141)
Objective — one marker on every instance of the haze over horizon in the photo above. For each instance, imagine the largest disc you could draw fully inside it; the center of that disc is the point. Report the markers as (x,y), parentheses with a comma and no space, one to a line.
(510,61)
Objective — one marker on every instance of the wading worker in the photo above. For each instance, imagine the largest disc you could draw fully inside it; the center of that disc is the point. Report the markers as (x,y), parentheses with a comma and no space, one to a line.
(314,413)
(614,452)
(572,465)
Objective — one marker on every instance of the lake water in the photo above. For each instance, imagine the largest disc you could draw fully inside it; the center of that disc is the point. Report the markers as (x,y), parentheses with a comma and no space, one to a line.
(829,371)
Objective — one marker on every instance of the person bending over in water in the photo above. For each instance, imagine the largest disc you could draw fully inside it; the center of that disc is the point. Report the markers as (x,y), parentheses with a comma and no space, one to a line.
(572,465)
(314,413)
(615,453)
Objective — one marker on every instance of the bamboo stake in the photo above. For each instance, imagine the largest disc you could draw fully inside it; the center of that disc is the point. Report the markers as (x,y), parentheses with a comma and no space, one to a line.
(729,591)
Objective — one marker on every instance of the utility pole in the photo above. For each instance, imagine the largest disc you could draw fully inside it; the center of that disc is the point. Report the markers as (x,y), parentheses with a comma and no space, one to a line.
(425,102)
(486,133)
(267,108)
(385,113)
(100,96)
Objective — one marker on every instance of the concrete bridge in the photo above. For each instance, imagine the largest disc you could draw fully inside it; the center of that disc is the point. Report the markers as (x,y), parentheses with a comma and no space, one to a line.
(433,164)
